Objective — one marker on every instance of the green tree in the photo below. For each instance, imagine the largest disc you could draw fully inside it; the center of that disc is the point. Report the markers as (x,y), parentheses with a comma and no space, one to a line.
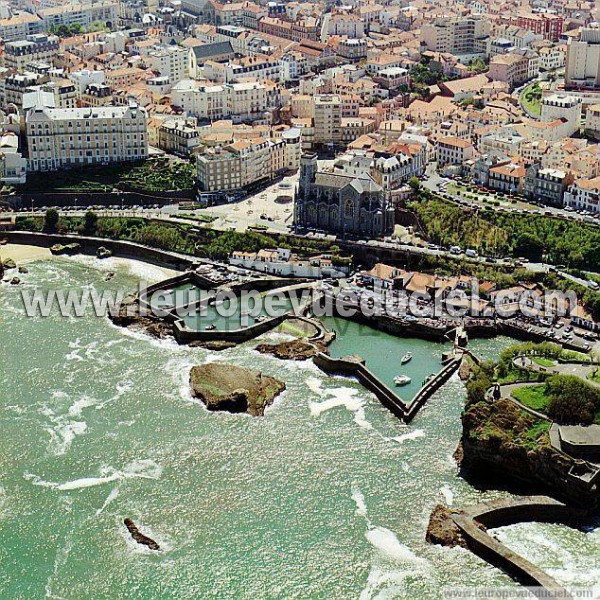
(90,224)
(51,220)
(572,400)
(414,184)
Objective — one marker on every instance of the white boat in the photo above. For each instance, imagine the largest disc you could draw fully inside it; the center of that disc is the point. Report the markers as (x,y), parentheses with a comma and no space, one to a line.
(406,358)
(402,380)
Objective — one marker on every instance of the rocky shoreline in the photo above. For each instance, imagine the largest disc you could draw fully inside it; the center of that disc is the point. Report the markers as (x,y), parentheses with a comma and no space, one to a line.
(234,389)
(494,447)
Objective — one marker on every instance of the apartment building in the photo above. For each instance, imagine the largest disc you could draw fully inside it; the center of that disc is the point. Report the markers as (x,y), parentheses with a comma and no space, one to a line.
(352,49)
(458,35)
(552,58)
(179,136)
(546,185)
(170,61)
(20,25)
(327,119)
(548,25)
(453,151)
(83,14)
(259,68)
(562,106)
(245,163)
(582,69)
(65,138)
(297,30)
(510,68)
(584,194)
(592,120)
(344,24)
(38,47)
(96,94)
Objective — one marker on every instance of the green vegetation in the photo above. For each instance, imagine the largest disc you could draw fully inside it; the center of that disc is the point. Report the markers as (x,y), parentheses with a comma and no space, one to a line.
(533,396)
(573,401)
(51,219)
(559,241)
(152,175)
(531,99)
(595,376)
(543,362)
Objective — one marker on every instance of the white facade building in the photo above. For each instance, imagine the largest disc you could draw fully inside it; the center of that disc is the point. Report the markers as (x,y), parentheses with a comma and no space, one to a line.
(64,138)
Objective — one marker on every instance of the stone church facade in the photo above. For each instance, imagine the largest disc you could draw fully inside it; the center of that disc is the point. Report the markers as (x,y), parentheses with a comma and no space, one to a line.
(345,200)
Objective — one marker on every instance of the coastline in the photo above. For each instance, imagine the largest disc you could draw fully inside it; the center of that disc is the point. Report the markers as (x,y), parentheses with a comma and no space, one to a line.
(149,271)
(24,253)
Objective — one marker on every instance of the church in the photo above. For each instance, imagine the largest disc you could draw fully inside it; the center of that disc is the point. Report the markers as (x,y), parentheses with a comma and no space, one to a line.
(350,198)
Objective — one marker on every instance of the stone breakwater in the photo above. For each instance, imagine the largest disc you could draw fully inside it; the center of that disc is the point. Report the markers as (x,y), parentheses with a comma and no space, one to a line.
(468,527)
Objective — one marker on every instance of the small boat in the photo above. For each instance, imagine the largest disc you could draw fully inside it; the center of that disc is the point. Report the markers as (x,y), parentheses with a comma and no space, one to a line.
(406,358)
(210,327)
(402,380)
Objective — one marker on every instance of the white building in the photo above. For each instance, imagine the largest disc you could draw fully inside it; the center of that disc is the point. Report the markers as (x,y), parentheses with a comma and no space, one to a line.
(237,101)
(171,62)
(592,120)
(582,68)
(65,138)
(562,106)
(38,47)
(84,77)
(584,194)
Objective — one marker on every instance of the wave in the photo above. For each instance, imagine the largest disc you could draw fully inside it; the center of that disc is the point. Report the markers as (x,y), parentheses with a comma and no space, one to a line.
(139,469)
(345,397)
(412,435)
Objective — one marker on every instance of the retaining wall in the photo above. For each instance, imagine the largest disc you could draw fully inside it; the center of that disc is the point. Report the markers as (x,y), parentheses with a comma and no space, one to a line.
(89,245)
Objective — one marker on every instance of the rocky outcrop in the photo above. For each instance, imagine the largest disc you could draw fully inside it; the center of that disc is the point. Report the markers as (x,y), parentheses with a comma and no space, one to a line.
(139,537)
(103,252)
(8,264)
(214,345)
(505,444)
(69,249)
(442,530)
(128,315)
(15,281)
(23,270)
(225,387)
(292,350)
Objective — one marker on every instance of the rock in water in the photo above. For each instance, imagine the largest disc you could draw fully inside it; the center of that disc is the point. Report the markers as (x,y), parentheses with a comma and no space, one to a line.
(9,263)
(15,281)
(442,530)
(292,350)
(234,389)
(139,537)
(23,270)
(103,252)
(59,249)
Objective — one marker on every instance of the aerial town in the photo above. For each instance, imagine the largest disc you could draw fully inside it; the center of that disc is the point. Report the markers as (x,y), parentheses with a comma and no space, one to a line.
(300,299)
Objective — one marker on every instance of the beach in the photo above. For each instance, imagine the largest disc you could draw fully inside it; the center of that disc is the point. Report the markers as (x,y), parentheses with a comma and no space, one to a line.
(23,254)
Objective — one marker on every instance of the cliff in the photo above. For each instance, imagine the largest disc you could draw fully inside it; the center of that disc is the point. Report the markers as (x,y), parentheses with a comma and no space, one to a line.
(507,444)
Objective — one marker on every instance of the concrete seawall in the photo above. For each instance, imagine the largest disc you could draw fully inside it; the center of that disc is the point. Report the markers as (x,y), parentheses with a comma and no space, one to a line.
(120,248)
(341,366)
(434,384)
(355,368)
(475,520)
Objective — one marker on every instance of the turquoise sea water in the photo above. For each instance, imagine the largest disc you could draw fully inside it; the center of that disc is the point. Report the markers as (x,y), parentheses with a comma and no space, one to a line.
(327,496)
